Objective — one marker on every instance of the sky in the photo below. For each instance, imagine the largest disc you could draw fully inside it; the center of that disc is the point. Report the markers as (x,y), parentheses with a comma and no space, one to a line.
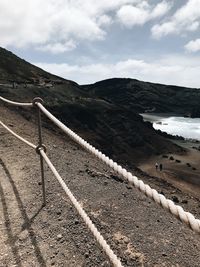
(90,40)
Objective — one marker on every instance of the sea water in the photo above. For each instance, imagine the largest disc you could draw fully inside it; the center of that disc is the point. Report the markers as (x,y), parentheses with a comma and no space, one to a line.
(175,125)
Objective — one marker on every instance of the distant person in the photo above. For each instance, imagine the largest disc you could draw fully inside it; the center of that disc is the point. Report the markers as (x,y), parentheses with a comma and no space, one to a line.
(161,166)
(156,165)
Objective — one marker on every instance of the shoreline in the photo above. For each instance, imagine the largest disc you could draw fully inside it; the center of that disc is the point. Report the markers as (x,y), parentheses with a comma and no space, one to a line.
(178,127)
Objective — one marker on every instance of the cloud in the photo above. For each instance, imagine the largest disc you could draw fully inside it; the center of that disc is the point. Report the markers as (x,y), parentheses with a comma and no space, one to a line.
(176,70)
(39,23)
(140,13)
(56,48)
(104,20)
(193,46)
(50,24)
(161,9)
(187,18)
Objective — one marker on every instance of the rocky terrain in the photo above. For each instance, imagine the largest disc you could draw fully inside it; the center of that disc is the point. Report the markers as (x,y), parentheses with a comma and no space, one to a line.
(106,114)
(139,231)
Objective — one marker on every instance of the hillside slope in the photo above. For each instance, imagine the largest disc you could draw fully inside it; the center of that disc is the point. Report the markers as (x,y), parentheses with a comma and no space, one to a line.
(13,68)
(139,231)
(144,96)
(113,126)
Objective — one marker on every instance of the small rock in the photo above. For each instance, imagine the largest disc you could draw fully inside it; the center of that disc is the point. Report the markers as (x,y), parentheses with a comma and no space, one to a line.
(105,264)
(175,199)
(59,237)
(105,183)
(86,255)
(39,183)
(129,187)
(184,201)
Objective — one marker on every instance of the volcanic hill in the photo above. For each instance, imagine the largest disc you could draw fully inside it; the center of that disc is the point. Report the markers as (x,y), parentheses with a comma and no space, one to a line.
(104,113)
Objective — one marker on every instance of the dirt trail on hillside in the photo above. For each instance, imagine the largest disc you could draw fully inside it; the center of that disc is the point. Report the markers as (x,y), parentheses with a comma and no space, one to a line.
(139,231)
(182,171)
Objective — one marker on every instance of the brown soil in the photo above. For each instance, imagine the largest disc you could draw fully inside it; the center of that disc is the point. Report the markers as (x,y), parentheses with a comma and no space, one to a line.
(139,231)
(182,171)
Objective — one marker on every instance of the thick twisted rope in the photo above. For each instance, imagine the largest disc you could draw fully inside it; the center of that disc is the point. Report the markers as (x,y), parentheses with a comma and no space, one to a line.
(17,136)
(167,204)
(113,258)
(16,103)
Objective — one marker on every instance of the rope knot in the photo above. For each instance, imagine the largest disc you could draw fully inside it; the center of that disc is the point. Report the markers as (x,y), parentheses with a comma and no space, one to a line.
(37,100)
(40,147)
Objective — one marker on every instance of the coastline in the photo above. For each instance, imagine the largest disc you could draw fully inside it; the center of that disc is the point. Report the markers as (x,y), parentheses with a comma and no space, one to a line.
(171,125)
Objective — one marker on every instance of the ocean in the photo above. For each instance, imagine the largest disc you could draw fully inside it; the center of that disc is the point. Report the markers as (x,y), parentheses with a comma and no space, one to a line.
(175,125)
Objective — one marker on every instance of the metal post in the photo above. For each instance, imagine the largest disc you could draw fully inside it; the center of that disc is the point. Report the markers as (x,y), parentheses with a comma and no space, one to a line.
(40,145)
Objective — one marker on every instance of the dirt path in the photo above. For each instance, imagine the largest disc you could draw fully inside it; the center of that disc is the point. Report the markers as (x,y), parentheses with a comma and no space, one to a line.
(139,231)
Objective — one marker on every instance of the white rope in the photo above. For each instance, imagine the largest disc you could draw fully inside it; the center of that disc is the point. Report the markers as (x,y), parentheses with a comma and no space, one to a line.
(113,258)
(15,103)
(17,136)
(167,204)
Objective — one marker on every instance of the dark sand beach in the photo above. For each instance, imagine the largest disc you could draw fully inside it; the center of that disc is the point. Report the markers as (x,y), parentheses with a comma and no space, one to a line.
(181,170)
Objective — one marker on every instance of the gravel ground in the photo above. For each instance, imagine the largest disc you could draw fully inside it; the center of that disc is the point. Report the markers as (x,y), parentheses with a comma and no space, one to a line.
(139,231)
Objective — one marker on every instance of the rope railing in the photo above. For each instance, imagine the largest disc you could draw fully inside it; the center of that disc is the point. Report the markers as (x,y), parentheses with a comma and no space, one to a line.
(17,136)
(16,103)
(102,242)
(178,211)
(113,258)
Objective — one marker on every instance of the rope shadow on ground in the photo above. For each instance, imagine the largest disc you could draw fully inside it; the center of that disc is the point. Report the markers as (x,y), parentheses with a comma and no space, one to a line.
(9,232)
(26,225)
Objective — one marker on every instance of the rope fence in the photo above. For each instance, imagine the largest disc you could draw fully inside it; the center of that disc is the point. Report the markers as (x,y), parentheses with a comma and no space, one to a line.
(167,204)
(16,103)
(113,258)
(17,136)
(178,211)
(40,149)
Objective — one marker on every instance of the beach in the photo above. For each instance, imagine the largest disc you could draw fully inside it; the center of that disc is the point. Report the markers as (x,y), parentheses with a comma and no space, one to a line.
(180,170)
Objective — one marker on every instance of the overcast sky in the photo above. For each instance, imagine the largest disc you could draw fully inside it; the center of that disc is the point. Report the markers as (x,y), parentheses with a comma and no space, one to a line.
(91,40)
